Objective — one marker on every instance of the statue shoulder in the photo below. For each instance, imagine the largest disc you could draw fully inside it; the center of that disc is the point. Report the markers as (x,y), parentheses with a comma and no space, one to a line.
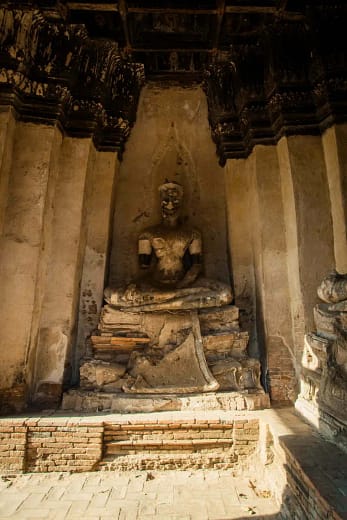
(196,234)
(147,234)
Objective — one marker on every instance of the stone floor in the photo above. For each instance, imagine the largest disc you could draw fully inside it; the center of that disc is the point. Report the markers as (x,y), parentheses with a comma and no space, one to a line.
(169,495)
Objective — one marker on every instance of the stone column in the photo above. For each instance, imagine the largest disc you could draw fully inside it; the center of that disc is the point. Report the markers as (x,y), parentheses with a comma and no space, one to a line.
(308,226)
(272,276)
(238,175)
(52,362)
(7,126)
(23,250)
(335,153)
(99,217)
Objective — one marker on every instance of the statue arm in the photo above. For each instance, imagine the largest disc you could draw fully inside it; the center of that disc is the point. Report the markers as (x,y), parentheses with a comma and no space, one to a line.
(195,251)
(144,252)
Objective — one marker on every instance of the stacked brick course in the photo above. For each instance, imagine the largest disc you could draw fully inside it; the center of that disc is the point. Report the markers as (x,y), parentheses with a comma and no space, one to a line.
(209,443)
(43,445)
(13,436)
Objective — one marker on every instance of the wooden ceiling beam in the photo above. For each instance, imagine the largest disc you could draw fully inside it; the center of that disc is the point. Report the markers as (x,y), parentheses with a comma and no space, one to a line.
(171,49)
(196,11)
(230,9)
(249,9)
(85,6)
(170,10)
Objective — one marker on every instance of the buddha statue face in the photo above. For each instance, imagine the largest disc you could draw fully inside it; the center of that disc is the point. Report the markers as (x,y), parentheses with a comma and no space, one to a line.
(171,195)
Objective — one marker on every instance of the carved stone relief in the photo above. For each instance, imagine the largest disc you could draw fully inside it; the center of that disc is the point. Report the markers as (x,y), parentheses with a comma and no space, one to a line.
(323,393)
(52,72)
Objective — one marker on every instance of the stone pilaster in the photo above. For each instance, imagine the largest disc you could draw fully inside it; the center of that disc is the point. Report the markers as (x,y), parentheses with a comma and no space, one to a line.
(258,252)
(99,213)
(270,256)
(23,251)
(238,173)
(58,323)
(335,153)
(308,225)
(7,126)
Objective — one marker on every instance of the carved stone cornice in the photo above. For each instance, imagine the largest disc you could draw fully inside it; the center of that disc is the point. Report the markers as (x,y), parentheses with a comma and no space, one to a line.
(291,79)
(54,73)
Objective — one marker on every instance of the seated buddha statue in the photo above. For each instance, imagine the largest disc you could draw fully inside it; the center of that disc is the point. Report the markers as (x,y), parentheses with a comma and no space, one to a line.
(171,253)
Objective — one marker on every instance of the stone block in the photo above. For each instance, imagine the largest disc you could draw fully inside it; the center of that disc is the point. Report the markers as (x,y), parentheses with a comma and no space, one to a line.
(325,321)
(96,374)
(234,343)
(112,318)
(179,371)
(91,401)
(315,352)
(118,343)
(219,319)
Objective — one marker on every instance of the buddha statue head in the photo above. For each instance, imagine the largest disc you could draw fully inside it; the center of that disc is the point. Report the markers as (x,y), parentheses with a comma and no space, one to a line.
(171,196)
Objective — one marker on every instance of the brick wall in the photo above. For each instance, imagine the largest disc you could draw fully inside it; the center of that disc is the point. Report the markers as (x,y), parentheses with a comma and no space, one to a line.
(194,444)
(12,445)
(43,445)
(53,444)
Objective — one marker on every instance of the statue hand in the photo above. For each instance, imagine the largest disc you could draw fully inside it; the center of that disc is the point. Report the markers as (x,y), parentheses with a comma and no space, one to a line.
(189,277)
(130,293)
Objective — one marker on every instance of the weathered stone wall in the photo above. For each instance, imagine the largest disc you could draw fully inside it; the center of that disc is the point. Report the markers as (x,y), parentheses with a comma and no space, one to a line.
(7,126)
(289,204)
(59,309)
(56,192)
(335,154)
(286,228)
(27,218)
(170,140)
(86,89)
(98,220)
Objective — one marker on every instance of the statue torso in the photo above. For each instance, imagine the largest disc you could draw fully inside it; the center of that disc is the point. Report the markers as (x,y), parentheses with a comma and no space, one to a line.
(169,246)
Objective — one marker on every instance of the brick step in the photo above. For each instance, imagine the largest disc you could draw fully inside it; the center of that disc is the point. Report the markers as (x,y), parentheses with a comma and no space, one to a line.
(167,461)
(164,426)
(167,435)
(178,444)
(118,447)
(170,444)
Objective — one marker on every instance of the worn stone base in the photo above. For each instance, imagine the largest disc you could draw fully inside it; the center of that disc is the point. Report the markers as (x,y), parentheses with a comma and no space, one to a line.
(88,401)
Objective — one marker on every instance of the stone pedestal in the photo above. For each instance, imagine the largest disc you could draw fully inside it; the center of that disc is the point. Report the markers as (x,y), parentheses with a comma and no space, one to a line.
(323,395)
(170,360)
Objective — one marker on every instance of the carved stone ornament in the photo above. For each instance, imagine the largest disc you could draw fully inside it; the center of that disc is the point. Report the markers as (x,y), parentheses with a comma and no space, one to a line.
(53,72)
(324,377)
(289,78)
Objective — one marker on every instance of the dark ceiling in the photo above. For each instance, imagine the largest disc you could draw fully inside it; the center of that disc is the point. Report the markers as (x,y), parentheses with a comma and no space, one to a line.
(178,36)
(268,67)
